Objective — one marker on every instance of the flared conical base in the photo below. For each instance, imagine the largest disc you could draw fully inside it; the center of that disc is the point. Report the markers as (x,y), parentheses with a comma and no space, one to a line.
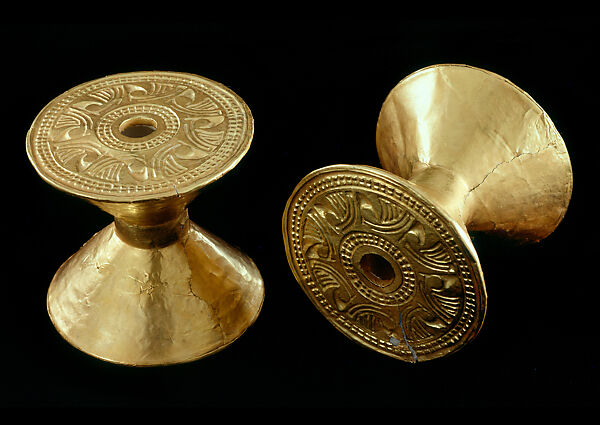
(150,307)
(487,134)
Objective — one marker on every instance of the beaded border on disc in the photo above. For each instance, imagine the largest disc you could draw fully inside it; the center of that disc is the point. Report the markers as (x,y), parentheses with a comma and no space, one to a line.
(200,140)
(436,301)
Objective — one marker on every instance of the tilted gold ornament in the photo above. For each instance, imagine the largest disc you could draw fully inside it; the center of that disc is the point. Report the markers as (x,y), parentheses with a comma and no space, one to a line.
(385,254)
(152,288)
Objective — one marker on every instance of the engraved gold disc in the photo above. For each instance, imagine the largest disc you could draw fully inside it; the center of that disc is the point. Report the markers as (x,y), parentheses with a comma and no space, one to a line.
(140,135)
(386,266)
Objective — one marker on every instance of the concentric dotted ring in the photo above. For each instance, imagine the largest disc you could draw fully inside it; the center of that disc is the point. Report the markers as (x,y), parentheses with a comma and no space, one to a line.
(404,284)
(115,140)
(326,235)
(203,130)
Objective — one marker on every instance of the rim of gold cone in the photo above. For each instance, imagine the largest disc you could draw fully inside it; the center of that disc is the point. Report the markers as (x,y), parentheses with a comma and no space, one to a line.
(343,222)
(140,136)
(488,133)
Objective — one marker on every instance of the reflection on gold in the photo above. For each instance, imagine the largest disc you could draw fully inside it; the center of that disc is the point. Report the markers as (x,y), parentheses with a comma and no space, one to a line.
(385,254)
(152,288)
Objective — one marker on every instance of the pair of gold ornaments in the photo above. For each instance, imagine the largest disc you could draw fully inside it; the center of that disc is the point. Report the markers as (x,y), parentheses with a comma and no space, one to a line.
(384,254)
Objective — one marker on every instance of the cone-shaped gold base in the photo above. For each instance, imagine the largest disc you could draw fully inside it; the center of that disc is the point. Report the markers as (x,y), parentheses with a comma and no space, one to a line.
(148,307)
(481,146)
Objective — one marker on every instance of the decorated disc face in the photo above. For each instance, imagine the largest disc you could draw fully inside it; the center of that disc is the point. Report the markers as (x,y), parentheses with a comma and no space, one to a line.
(139,136)
(385,266)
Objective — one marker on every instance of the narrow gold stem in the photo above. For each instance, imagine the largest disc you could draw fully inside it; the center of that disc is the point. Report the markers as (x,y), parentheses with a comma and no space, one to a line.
(150,224)
(444,187)
(153,236)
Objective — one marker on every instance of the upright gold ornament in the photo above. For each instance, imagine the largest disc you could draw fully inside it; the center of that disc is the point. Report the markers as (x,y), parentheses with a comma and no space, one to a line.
(152,288)
(385,254)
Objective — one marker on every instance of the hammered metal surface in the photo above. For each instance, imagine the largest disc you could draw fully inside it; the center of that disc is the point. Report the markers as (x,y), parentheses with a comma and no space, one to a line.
(79,141)
(148,307)
(385,254)
(152,288)
(431,301)
(490,134)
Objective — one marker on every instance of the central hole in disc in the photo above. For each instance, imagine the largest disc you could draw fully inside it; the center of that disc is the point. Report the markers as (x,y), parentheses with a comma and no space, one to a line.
(137,127)
(377,269)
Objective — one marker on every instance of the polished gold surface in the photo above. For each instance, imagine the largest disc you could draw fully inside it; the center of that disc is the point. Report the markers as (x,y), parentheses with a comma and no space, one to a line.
(386,267)
(140,136)
(152,288)
(385,254)
(482,146)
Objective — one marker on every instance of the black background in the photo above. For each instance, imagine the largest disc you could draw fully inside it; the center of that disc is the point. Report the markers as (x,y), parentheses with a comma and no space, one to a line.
(315,89)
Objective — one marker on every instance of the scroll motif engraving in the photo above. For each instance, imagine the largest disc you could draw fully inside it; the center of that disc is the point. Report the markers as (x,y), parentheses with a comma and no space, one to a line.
(87,133)
(428,284)
(196,129)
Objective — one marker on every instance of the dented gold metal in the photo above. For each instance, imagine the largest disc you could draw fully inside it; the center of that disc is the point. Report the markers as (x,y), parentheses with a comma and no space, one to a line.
(385,254)
(152,288)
